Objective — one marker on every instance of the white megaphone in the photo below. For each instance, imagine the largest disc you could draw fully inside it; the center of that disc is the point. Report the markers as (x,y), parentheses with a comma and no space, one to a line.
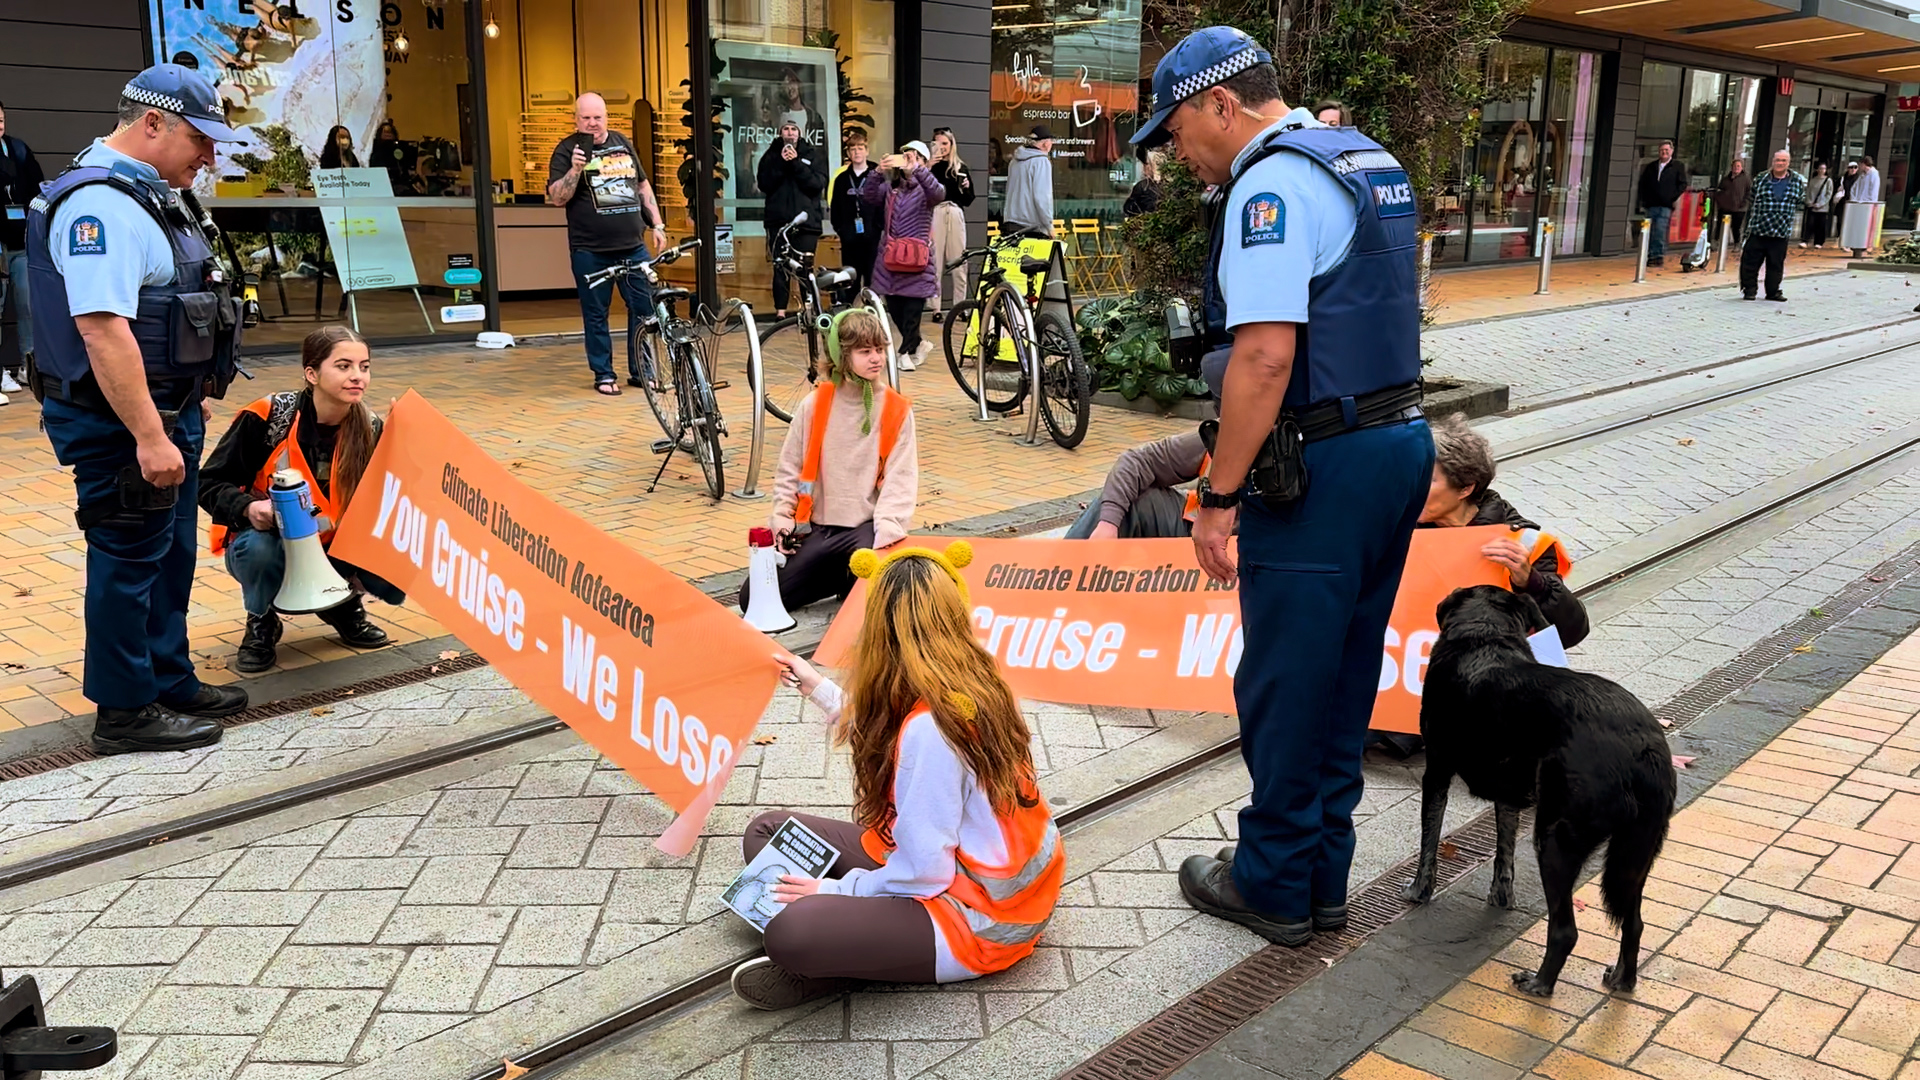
(310,583)
(765,610)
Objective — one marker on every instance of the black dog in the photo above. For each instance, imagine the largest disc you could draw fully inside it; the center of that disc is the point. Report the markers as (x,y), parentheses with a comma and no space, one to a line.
(1590,754)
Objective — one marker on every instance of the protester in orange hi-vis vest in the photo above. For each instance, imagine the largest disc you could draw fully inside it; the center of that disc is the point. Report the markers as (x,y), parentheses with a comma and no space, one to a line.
(953,864)
(849,471)
(324,432)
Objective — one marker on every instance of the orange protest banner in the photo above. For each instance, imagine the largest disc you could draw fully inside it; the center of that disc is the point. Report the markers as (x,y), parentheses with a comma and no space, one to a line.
(649,670)
(1136,623)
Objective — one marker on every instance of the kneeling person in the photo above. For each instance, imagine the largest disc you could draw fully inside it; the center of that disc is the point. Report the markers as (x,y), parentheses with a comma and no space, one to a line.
(1142,499)
(324,432)
(849,471)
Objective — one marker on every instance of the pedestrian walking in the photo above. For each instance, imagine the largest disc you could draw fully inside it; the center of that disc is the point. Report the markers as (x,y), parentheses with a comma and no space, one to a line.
(596,175)
(952,864)
(1322,458)
(906,191)
(949,215)
(1662,183)
(1777,200)
(1819,202)
(854,222)
(20,180)
(124,398)
(325,432)
(1029,202)
(793,176)
(1733,196)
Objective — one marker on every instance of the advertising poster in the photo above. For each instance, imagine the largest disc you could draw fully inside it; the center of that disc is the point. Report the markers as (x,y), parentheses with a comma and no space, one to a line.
(1136,623)
(651,671)
(285,74)
(765,85)
(369,242)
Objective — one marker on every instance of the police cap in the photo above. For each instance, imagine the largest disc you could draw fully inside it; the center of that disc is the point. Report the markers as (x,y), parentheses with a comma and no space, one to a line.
(1204,59)
(187,94)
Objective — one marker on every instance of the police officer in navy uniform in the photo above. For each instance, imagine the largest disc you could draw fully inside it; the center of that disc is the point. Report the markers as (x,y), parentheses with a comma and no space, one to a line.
(136,326)
(1312,319)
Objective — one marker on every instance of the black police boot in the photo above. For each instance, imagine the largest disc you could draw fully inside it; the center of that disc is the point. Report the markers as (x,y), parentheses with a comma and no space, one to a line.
(1207,883)
(350,621)
(154,727)
(257,648)
(1327,918)
(211,701)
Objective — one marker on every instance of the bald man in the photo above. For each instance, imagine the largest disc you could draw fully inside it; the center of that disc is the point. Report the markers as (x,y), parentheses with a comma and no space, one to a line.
(596,175)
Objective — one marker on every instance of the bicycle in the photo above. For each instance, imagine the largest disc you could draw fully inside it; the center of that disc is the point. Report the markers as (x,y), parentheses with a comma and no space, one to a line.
(811,321)
(1043,343)
(694,423)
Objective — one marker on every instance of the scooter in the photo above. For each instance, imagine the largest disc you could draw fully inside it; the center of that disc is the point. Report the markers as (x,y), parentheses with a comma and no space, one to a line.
(1703,247)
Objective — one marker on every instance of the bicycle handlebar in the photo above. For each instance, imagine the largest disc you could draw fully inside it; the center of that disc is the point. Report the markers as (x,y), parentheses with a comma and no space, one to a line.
(644,266)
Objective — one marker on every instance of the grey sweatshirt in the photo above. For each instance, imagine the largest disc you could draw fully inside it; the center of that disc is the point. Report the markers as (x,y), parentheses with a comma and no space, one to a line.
(1166,463)
(1029,190)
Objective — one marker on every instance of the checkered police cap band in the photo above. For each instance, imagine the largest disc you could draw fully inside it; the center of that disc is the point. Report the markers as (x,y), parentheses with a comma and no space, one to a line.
(1209,77)
(143,96)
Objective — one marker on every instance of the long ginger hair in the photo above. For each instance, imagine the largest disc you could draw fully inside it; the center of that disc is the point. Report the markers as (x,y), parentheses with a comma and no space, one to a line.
(355,445)
(916,646)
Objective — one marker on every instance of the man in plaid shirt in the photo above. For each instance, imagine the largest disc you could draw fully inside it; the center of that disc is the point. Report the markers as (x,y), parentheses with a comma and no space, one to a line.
(1777,200)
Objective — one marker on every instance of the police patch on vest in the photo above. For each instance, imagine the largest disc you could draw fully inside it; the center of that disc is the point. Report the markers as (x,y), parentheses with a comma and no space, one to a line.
(87,237)
(1266,221)
(1392,193)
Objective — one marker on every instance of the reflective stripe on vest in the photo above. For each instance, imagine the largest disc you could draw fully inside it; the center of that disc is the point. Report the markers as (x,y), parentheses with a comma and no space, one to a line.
(286,455)
(1539,543)
(992,916)
(894,407)
(1193,496)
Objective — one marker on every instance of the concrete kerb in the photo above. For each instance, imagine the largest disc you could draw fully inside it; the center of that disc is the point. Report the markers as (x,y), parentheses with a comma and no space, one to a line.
(1333,1020)
(1704,287)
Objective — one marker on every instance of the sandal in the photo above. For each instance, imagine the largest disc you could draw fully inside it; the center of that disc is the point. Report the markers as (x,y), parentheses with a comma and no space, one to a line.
(607,389)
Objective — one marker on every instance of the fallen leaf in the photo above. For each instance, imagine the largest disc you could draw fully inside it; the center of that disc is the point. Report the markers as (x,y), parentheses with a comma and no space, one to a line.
(1327,960)
(434,670)
(1818,613)
(1876,577)
(1449,849)
(24,590)
(1664,722)
(1684,442)
(1680,762)
(450,654)
(1803,648)
(765,740)
(322,711)
(350,693)
(513,1072)
(1579,904)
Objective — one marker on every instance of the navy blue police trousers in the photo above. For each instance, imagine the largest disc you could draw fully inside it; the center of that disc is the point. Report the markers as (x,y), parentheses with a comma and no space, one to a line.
(1317,585)
(139,572)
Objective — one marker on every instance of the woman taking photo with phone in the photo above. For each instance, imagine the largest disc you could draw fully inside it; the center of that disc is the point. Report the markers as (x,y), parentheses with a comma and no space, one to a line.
(949,216)
(905,273)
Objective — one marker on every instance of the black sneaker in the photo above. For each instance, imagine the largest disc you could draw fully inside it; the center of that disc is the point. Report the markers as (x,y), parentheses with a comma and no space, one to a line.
(211,701)
(154,727)
(1208,886)
(258,650)
(764,984)
(1327,918)
(1778,298)
(1748,296)
(350,621)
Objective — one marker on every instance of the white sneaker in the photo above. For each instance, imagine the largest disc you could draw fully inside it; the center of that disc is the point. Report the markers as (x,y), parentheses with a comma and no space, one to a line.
(3,399)
(7,382)
(906,361)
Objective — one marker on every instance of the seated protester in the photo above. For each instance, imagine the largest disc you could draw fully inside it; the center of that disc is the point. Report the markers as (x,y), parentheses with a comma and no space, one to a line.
(1141,500)
(953,864)
(327,434)
(849,472)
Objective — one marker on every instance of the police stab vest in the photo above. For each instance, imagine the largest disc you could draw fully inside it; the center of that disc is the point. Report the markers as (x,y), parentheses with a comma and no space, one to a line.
(179,327)
(1363,328)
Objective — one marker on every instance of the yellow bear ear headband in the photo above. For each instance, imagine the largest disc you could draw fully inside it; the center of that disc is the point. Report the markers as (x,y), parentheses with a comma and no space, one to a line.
(867,563)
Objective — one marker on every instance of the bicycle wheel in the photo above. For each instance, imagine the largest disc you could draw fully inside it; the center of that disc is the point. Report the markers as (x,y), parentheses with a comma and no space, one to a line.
(965,335)
(654,381)
(786,356)
(1066,384)
(703,427)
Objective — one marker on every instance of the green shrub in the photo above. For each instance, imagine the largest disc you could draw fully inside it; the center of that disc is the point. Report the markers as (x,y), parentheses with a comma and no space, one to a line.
(1125,341)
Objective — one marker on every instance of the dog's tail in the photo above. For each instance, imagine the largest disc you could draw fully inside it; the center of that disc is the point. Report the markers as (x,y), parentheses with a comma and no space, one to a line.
(1634,846)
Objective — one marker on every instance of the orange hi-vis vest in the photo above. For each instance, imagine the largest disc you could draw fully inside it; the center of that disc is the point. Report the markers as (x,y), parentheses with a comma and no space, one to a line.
(894,407)
(286,454)
(1193,496)
(1538,543)
(991,916)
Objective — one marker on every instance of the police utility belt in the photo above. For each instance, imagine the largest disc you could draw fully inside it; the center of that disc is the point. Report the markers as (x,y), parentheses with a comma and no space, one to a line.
(1279,474)
(169,395)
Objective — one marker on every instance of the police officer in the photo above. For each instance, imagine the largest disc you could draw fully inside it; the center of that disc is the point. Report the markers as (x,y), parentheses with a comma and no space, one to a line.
(136,327)
(1312,317)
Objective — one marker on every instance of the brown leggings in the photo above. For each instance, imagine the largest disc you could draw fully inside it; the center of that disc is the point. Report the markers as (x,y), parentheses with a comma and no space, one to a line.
(879,938)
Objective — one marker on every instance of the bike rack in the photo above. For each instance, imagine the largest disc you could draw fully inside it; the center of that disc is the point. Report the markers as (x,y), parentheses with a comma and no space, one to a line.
(757,377)
(870,299)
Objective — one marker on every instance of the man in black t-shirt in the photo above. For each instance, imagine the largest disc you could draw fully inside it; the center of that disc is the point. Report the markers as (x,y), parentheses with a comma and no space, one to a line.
(596,175)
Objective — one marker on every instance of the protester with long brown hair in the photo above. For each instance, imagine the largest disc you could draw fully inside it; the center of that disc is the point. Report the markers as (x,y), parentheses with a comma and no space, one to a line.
(326,433)
(952,865)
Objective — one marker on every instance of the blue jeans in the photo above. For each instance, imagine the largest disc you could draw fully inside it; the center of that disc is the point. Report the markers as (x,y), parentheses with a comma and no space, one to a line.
(595,302)
(258,561)
(1317,585)
(139,576)
(16,287)
(1657,219)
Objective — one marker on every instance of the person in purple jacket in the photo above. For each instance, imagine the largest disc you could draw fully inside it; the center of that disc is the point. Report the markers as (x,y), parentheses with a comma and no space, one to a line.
(908,190)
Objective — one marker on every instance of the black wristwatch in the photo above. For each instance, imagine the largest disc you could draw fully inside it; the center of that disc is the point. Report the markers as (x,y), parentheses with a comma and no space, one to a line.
(1217,500)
